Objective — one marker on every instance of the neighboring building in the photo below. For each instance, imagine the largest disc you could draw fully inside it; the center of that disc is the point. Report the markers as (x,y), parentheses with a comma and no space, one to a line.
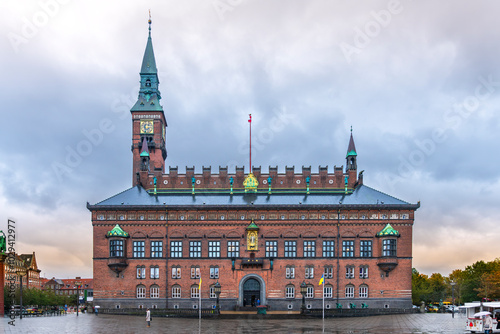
(25,263)
(260,235)
(68,287)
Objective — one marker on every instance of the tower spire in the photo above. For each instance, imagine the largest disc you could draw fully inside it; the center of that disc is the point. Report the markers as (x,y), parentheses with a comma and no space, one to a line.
(148,118)
(351,154)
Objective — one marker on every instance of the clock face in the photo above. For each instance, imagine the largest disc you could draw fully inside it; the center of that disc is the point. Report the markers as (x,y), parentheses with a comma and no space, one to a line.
(147,126)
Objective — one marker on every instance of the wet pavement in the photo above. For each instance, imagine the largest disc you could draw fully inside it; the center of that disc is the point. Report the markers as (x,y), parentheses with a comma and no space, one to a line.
(88,323)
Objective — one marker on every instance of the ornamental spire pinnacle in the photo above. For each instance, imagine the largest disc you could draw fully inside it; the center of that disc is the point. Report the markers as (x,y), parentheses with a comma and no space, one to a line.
(351,149)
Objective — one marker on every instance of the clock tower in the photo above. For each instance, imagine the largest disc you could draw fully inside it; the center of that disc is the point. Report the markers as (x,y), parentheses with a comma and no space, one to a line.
(148,120)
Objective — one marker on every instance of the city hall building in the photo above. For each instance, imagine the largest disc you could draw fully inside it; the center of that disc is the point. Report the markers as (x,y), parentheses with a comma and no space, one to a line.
(266,237)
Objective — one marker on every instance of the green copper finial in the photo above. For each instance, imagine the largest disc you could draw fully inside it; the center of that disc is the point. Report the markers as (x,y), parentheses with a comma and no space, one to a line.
(351,128)
(149,22)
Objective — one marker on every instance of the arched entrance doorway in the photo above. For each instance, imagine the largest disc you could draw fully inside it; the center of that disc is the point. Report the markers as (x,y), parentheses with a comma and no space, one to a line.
(251,292)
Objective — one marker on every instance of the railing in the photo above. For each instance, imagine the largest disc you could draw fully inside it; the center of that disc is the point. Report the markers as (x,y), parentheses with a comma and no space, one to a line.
(161,312)
(358,312)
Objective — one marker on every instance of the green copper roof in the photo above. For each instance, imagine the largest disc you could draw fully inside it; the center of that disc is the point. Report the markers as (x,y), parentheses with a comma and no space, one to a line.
(351,149)
(117,232)
(388,231)
(149,62)
(252,226)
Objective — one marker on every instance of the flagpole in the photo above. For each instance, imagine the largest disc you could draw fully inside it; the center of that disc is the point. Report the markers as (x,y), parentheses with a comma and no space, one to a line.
(323,300)
(199,293)
(250,121)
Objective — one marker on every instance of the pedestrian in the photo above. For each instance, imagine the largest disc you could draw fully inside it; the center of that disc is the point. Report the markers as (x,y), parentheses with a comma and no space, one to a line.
(498,320)
(96,310)
(258,302)
(245,302)
(488,324)
(148,317)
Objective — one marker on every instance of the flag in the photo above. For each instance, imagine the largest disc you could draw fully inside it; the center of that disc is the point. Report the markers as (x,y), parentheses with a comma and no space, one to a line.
(322,280)
(199,286)
(250,119)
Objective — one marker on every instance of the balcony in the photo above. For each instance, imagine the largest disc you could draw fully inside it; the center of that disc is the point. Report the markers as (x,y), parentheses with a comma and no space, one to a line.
(387,264)
(117,264)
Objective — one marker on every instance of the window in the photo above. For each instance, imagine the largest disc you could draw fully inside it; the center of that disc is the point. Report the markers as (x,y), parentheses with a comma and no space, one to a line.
(290,248)
(175,248)
(349,291)
(195,272)
(195,249)
(156,248)
(290,272)
(272,249)
(349,272)
(176,291)
(176,272)
(262,217)
(348,248)
(309,272)
(139,249)
(289,291)
(213,249)
(214,272)
(212,292)
(242,217)
(328,273)
(365,248)
(309,248)
(141,291)
(327,291)
(195,291)
(363,291)
(154,291)
(389,247)
(141,272)
(233,249)
(363,272)
(155,272)
(328,248)
(116,248)
(310,291)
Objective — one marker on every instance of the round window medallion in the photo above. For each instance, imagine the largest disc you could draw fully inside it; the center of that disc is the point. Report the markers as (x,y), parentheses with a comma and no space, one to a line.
(298,181)
(331,181)
(165,182)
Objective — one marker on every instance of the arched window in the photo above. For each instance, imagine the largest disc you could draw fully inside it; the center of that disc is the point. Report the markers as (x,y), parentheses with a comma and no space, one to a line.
(148,83)
(154,291)
(141,291)
(212,291)
(290,291)
(310,291)
(154,272)
(349,291)
(328,291)
(141,272)
(195,291)
(363,291)
(176,291)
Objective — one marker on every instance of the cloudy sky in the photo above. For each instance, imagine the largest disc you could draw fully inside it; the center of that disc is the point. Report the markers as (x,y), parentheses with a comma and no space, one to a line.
(418,81)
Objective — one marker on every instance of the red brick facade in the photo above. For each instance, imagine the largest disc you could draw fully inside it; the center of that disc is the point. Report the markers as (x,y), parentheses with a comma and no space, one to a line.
(153,242)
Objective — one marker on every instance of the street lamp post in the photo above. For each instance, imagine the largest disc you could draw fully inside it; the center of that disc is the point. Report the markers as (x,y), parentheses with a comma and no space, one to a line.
(453,299)
(78,285)
(303,291)
(21,273)
(217,289)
